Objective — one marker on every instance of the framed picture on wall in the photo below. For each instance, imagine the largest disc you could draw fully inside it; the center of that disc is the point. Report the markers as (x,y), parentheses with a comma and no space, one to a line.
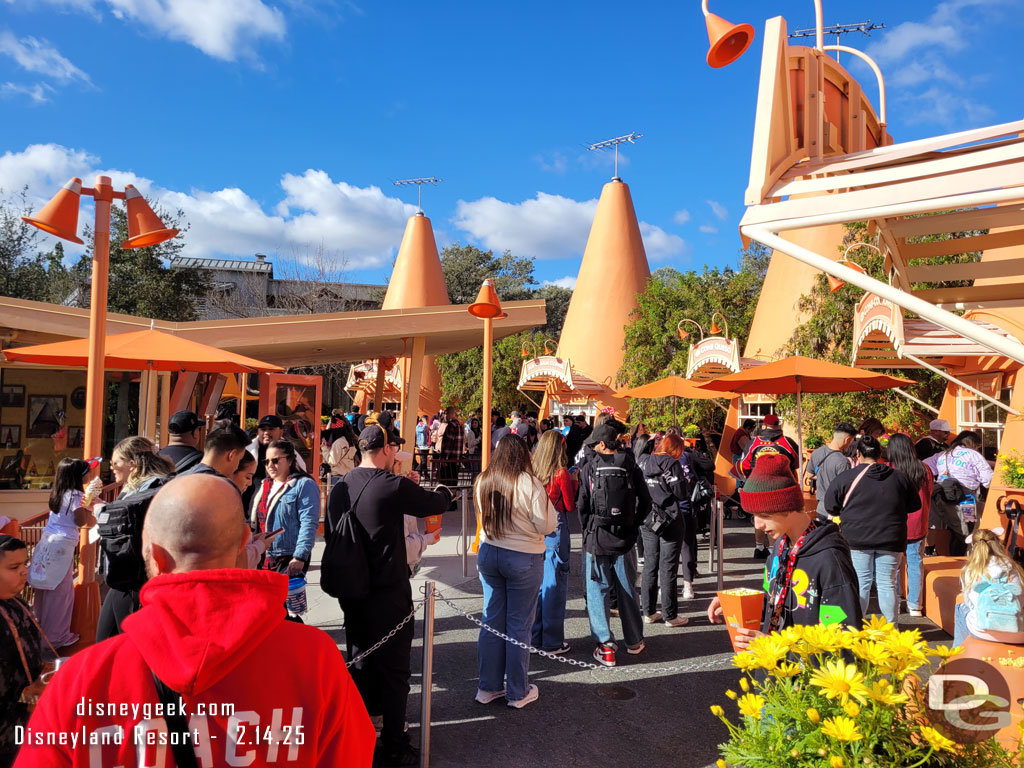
(12,396)
(45,415)
(76,437)
(10,435)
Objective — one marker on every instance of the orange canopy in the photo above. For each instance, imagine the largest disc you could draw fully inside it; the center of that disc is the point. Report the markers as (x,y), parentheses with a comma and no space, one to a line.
(142,351)
(802,375)
(672,386)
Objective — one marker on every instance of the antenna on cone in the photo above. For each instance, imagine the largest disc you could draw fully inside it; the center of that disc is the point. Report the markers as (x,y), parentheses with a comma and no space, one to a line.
(144,226)
(60,216)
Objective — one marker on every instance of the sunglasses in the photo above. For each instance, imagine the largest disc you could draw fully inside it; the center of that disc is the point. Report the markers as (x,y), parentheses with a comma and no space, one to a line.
(273,462)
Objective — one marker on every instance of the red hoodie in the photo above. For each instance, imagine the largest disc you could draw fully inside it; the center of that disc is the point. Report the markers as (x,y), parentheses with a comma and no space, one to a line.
(220,639)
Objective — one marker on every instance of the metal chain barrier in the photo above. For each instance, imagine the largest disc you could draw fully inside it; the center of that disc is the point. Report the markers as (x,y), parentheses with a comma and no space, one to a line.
(715,664)
(388,636)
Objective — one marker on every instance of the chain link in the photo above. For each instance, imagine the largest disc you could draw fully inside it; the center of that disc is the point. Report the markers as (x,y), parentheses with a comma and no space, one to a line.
(561,659)
(388,636)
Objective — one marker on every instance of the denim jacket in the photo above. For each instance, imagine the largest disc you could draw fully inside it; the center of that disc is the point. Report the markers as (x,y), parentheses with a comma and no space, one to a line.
(297,510)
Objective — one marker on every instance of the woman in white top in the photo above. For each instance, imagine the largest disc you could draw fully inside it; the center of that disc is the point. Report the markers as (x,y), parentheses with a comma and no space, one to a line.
(963,462)
(515,515)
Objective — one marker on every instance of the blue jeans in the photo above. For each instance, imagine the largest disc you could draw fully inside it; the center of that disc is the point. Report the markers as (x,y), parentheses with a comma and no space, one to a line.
(960,631)
(915,553)
(606,574)
(549,625)
(511,581)
(876,566)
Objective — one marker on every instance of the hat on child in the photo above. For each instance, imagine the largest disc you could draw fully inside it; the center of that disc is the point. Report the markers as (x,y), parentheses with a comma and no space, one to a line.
(771,487)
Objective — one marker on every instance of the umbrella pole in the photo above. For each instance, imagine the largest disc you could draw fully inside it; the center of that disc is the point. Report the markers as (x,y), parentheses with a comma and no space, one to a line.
(674,419)
(800,434)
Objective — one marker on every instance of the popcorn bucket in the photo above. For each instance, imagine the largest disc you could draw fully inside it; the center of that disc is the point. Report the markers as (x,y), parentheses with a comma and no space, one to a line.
(742,609)
(433,523)
(296,602)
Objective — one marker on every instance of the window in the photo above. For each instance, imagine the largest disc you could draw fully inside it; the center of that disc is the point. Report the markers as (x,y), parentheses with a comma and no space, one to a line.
(985,418)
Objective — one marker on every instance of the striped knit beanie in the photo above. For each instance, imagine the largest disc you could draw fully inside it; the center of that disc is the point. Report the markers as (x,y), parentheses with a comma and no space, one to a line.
(771,487)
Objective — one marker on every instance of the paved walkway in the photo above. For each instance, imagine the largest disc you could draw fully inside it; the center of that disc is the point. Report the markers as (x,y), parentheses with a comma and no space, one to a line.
(635,716)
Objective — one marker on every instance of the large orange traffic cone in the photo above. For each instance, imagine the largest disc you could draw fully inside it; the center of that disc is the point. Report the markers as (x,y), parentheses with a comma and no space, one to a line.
(144,226)
(487,304)
(728,41)
(60,216)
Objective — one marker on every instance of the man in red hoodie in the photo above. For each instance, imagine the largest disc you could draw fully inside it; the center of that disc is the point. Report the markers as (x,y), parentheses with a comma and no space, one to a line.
(256,690)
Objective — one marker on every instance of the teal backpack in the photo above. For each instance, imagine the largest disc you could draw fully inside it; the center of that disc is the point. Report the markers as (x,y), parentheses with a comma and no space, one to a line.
(997,605)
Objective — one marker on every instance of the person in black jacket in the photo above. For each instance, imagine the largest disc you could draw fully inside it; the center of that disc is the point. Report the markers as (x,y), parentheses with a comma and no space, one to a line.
(183,429)
(809,577)
(380,499)
(670,484)
(612,503)
(872,501)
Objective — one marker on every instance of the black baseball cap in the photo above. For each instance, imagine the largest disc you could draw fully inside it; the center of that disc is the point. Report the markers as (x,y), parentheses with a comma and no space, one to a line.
(607,433)
(184,422)
(270,421)
(376,436)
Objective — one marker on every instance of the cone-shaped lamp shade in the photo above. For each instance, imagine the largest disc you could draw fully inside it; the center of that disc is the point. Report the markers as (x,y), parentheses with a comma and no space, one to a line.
(144,226)
(60,216)
(715,330)
(683,334)
(834,283)
(486,304)
(728,41)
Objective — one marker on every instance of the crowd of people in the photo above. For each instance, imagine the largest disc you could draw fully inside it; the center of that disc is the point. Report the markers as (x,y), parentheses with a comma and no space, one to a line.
(200,548)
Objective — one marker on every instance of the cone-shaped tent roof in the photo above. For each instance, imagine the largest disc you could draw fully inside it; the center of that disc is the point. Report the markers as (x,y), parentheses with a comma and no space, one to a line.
(613,272)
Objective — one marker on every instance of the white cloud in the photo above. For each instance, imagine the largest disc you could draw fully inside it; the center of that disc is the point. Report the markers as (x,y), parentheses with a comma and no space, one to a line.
(720,211)
(548,227)
(361,224)
(39,93)
(40,56)
(708,229)
(552,162)
(223,29)
(569,281)
(681,217)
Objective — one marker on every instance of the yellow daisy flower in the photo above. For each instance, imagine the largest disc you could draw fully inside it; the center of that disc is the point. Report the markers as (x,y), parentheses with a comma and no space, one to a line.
(744,685)
(745,661)
(720,763)
(788,669)
(882,692)
(835,762)
(937,741)
(841,728)
(751,705)
(851,708)
(813,716)
(877,628)
(717,711)
(838,680)
(731,694)
(906,653)
(769,650)
(945,651)
(871,651)
(819,638)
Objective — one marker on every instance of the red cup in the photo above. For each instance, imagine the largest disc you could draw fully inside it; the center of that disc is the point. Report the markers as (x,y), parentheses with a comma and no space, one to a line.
(742,609)
(433,523)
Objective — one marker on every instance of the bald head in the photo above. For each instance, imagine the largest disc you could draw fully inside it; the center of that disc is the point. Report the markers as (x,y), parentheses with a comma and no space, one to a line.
(194,523)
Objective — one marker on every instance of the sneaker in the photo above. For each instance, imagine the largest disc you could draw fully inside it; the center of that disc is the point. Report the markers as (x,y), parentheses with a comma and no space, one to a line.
(486,697)
(654,618)
(916,612)
(687,591)
(678,621)
(563,648)
(613,611)
(406,755)
(532,694)
(640,562)
(605,654)
(760,553)
(636,649)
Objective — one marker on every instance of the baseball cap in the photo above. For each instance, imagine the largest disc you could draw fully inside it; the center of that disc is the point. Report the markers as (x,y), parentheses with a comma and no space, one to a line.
(376,436)
(771,420)
(607,433)
(270,421)
(939,425)
(183,422)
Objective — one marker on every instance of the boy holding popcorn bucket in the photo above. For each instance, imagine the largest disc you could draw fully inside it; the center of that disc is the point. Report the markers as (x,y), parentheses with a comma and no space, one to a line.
(809,577)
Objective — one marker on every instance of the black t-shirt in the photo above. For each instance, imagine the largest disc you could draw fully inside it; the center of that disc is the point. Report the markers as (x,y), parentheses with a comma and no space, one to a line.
(381,500)
(179,453)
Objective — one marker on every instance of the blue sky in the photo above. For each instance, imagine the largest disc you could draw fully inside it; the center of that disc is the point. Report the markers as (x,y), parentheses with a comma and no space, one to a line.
(279,125)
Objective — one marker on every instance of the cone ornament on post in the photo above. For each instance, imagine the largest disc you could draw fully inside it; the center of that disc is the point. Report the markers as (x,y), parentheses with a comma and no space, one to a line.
(60,216)
(144,226)
(834,283)
(727,41)
(487,304)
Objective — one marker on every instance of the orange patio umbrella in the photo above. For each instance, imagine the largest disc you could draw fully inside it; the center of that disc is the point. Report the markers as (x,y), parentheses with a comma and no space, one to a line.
(799,375)
(148,350)
(672,386)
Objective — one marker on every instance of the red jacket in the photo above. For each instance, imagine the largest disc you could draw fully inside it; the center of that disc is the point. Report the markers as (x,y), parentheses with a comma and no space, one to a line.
(219,638)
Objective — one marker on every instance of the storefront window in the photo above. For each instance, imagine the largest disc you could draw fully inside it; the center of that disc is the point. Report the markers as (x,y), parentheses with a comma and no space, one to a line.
(985,418)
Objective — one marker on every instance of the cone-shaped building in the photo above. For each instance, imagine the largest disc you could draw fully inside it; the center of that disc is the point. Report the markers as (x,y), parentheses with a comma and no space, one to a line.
(613,272)
(417,281)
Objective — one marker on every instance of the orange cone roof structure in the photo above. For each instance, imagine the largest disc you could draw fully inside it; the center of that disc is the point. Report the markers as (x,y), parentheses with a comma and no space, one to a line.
(613,272)
(417,281)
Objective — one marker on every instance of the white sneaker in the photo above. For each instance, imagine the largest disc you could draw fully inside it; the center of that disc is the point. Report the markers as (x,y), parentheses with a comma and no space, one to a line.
(687,591)
(654,618)
(532,694)
(678,621)
(916,613)
(486,697)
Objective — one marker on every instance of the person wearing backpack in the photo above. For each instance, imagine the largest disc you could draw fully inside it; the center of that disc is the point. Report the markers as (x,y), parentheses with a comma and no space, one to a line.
(670,483)
(873,502)
(140,472)
(993,589)
(769,442)
(960,471)
(612,503)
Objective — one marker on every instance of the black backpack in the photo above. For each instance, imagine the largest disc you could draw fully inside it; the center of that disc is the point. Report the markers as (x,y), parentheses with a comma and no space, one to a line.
(119,525)
(613,496)
(345,568)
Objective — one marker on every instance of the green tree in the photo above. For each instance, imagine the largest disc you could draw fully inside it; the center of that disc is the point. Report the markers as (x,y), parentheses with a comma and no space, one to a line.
(140,280)
(653,348)
(556,300)
(466,267)
(462,375)
(26,271)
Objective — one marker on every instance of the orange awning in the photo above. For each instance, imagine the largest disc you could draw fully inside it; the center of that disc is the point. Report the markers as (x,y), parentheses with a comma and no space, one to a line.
(143,351)
(673,386)
(804,375)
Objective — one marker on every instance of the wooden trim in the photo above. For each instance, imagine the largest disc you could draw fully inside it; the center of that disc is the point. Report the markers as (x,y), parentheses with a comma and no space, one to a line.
(960,221)
(977,294)
(896,257)
(963,245)
(941,273)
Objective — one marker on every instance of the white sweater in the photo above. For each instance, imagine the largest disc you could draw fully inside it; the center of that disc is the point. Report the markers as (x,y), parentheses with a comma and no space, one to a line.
(533,517)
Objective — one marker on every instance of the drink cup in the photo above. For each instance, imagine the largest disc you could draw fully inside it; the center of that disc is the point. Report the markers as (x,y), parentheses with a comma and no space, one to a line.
(433,523)
(742,609)
(296,601)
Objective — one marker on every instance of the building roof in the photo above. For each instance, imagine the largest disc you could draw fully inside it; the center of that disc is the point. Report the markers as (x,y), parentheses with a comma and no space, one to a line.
(229,265)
